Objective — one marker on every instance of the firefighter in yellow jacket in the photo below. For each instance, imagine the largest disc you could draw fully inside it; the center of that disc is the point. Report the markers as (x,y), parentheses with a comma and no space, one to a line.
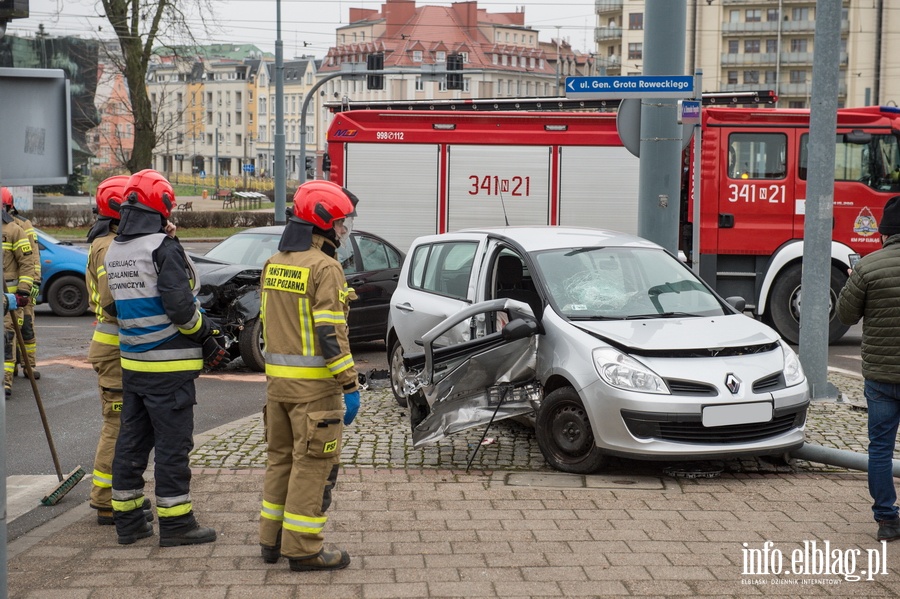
(26,322)
(18,269)
(104,350)
(309,368)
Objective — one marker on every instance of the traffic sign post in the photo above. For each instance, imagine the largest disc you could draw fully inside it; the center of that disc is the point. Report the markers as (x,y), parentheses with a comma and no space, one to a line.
(248,168)
(676,86)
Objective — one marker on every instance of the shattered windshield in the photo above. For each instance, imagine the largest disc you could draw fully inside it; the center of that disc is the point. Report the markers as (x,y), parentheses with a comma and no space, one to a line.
(623,283)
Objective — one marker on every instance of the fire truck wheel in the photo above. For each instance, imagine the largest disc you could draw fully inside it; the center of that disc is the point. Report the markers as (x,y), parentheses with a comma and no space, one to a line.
(564,434)
(784,305)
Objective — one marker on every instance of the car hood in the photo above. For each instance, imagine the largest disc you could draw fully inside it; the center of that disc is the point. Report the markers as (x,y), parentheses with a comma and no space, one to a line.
(215,272)
(731,330)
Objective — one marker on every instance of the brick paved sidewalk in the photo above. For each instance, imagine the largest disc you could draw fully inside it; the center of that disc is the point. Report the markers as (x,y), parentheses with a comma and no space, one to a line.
(418,525)
(438,533)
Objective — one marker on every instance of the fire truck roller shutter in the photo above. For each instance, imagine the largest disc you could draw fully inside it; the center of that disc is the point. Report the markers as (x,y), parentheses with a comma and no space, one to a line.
(599,188)
(484,179)
(397,186)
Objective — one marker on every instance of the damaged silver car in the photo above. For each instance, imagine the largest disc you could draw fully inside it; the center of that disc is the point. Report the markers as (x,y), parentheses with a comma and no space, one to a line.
(606,341)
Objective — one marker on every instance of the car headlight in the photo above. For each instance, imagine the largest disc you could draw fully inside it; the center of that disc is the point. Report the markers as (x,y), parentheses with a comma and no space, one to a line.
(624,372)
(793,370)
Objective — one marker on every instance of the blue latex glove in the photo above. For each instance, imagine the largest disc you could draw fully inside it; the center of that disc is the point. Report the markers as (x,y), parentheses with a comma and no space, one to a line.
(351,402)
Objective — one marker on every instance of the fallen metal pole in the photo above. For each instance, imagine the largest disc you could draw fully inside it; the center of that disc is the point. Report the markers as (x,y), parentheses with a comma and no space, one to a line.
(837,457)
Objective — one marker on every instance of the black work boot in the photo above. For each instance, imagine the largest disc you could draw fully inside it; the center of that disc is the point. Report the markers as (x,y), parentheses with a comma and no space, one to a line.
(271,553)
(195,536)
(888,530)
(140,533)
(334,559)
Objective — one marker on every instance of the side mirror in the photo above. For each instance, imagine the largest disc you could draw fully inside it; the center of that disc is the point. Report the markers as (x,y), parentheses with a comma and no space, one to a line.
(519,328)
(736,302)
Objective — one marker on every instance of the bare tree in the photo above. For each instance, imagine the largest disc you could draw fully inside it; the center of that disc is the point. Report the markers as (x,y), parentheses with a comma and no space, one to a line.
(139,25)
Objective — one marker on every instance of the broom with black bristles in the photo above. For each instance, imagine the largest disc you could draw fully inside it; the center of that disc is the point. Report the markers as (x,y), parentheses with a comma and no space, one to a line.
(71,479)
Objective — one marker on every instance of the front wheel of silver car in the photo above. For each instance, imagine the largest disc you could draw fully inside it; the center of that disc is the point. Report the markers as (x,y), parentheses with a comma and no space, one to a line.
(564,434)
(398,373)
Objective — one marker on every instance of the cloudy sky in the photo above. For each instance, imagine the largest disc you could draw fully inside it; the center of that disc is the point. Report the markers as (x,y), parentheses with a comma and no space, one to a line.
(307,25)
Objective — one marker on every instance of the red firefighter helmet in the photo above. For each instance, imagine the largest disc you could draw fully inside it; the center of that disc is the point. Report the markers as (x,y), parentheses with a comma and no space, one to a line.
(7,196)
(152,190)
(323,202)
(110,195)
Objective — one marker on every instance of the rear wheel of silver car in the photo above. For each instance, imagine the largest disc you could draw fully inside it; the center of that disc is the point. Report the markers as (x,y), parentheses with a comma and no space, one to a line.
(564,433)
(398,373)
(250,344)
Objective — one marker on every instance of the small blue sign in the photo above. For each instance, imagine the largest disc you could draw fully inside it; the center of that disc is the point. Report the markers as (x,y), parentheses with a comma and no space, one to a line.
(203,174)
(688,112)
(680,86)
(249,168)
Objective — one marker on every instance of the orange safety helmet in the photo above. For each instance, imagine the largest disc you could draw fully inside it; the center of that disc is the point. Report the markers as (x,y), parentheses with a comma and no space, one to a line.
(323,202)
(7,196)
(110,195)
(150,189)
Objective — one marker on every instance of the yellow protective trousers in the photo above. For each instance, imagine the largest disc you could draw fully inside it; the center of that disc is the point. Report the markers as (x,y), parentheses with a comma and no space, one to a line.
(109,369)
(304,443)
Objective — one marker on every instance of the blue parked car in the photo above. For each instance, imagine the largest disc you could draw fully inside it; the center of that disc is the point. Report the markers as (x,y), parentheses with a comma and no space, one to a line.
(63,266)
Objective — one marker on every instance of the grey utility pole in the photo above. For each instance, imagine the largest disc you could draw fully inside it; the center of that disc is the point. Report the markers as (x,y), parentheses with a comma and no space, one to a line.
(818,218)
(280,183)
(659,188)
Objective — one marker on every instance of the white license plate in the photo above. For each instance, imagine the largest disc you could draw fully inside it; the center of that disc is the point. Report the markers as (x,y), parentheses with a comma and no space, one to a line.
(742,413)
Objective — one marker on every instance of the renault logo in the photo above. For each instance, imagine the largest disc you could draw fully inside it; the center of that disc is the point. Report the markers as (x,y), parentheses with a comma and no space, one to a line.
(733,383)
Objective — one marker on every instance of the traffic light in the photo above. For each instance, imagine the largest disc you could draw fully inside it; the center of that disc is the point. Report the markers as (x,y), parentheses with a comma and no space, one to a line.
(375,62)
(454,71)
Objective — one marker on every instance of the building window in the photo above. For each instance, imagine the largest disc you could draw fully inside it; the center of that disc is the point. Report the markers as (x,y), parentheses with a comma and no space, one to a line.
(751,46)
(772,77)
(417,56)
(798,45)
(442,85)
(800,14)
(798,76)
(636,21)
(635,51)
(772,15)
(513,60)
(465,57)
(753,15)
(420,85)
(796,104)
(751,76)
(771,46)
(466,83)
(495,59)
(733,46)
(732,77)
(440,56)
(504,60)
(734,16)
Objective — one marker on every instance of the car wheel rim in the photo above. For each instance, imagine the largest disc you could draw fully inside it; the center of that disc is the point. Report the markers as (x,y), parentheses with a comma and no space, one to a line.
(69,297)
(398,372)
(571,431)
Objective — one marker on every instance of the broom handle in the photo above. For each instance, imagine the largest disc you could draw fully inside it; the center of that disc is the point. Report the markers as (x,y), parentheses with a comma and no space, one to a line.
(26,366)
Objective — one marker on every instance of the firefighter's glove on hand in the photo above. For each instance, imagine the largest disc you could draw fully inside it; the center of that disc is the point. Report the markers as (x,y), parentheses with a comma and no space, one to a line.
(22,299)
(35,292)
(9,299)
(214,354)
(351,402)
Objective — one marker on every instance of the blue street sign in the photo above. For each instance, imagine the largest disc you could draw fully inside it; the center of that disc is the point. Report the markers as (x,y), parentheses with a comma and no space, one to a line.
(681,86)
(248,168)
(203,174)
(688,112)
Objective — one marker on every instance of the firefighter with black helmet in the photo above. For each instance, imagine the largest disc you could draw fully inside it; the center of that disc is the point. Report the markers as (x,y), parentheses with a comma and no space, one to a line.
(311,382)
(104,350)
(165,341)
(19,263)
(26,320)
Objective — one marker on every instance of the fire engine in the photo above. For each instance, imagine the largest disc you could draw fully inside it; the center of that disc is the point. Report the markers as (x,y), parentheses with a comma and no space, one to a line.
(421,171)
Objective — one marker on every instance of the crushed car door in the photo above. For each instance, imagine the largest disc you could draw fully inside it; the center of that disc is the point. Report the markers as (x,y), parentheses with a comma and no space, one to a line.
(467,384)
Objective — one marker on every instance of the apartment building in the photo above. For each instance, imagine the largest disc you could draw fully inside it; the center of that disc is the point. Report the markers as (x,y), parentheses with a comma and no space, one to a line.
(764,44)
